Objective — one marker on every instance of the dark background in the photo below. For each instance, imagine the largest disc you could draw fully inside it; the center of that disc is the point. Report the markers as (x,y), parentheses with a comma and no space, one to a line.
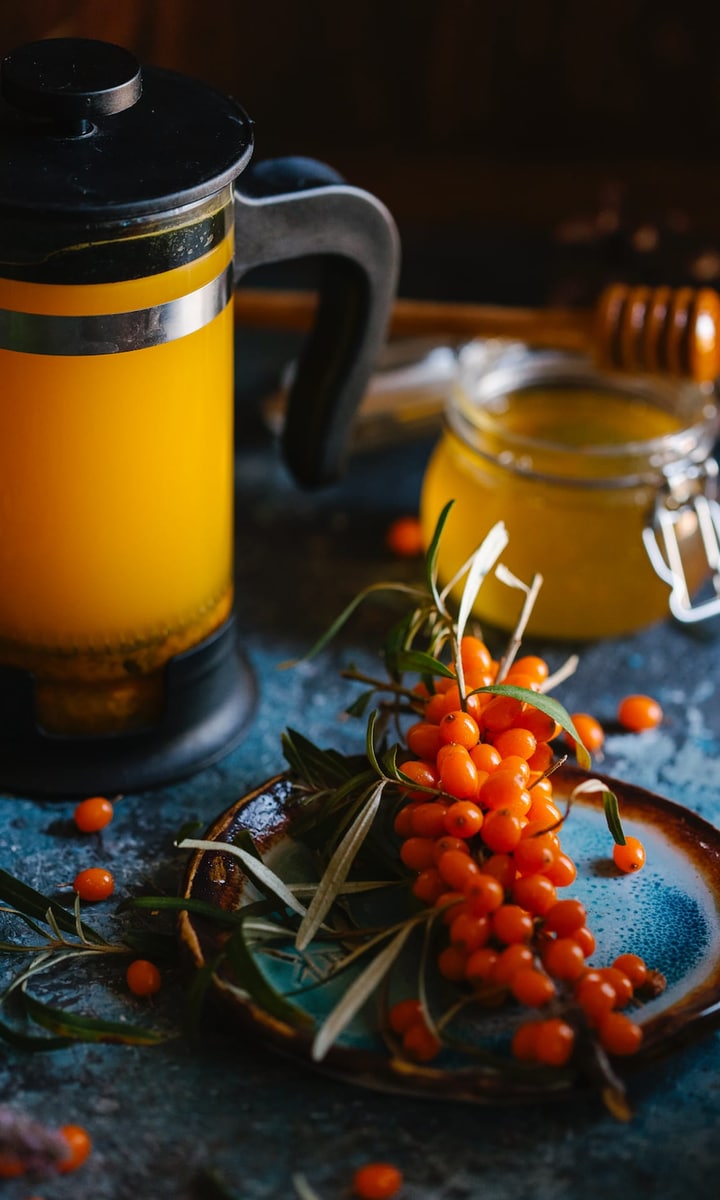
(530,150)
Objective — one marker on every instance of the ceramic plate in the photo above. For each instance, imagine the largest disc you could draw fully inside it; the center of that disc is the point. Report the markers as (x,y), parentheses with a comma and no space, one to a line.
(669,913)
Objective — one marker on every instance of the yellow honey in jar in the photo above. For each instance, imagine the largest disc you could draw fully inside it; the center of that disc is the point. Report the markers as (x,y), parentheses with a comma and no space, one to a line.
(575,464)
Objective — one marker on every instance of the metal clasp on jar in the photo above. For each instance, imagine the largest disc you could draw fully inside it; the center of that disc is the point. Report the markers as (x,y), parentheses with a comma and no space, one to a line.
(686,505)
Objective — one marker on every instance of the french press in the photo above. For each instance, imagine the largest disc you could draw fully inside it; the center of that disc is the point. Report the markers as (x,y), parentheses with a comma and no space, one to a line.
(128,211)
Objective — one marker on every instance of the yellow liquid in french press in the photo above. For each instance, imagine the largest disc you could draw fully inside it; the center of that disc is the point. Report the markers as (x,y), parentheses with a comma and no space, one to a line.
(572,467)
(116,516)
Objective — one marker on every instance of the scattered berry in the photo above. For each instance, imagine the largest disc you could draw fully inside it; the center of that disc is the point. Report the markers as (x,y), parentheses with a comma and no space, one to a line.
(637,713)
(93,884)
(630,856)
(79,1147)
(377,1181)
(404,537)
(143,978)
(93,814)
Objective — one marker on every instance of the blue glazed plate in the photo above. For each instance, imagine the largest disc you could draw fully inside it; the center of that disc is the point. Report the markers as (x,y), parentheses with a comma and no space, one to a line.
(669,913)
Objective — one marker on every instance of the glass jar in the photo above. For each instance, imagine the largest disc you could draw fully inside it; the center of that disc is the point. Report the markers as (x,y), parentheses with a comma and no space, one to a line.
(605,483)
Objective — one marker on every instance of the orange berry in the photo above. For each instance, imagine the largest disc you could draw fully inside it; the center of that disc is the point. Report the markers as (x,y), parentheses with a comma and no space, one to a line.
(585,939)
(595,995)
(501,831)
(535,893)
(143,978)
(532,987)
(524,1041)
(457,868)
(427,820)
(95,883)
(531,665)
(620,982)
(403,820)
(423,739)
(417,853)
(501,712)
(452,962)
(618,1034)
(463,819)
(424,775)
(458,774)
(448,842)
(512,924)
(542,759)
(474,654)
(79,1147)
(564,959)
(535,854)
(590,732)
(637,713)
(420,1043)
(502,867)
(480,965)
(469,933)
(403,1014)
(517,742)
(485,757)
(500,789)
(565,917)
(554,1042)
(404,538)
(511,959)
(562,872)
(93,814)
(428,886)
(484,894)
(459,728)
(630,857)
(543,727)
(453,903)
(377,1181)
(633,966)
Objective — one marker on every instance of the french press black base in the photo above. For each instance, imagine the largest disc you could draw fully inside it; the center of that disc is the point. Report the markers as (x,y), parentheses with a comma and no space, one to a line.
(210,695)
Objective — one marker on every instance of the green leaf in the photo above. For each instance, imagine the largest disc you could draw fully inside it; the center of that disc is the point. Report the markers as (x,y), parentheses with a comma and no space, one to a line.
(547,704)
(359,706)
(338,869)
(357,994)
(88,1029)
(37,906)
(418,660)
(348,611)
(27,1041)
(180,904)
(612,816)
(319,768)
(251,980)
(370,743)
(432,554)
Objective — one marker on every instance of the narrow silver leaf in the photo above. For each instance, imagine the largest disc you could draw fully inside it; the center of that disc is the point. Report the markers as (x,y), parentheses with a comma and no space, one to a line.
(254,868)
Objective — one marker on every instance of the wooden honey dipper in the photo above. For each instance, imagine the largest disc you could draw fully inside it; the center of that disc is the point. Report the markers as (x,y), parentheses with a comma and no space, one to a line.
(661,330)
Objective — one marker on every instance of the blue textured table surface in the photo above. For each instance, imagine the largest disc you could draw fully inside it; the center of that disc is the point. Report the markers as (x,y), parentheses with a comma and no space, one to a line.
(159,1116)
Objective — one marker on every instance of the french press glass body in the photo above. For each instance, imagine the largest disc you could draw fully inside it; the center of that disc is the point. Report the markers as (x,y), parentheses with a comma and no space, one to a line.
(128,212)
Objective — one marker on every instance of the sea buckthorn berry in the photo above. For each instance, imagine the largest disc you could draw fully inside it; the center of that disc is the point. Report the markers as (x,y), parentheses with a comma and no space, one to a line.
(377,1181)
(637,713)
(511,959)
(428,819)
(618,1034)
(474,654)
(621,983)
(424,775)
(516,741)
(542,758)
(524,1041)
(595,995)
(517,767)
(463,819)
(459,775)
(403,821)
(435,708)
(453,903)
(428,886)
(484,894)
(630,857)
(451,963)
(542,726)
(565,917)
(420,1043)
(511,923)
(423,739)
(535,853)
(417,853)
(585,939)
(11,1165)
(448,842)
(535,893)
(554,1042)
(564,959)
(501,712)
(457,868)
(520,680)
(542,809)
(562,872)
(481,964)
(590,732)
(459,727)
(633,966)
(95,883)
(501,831)
(79,1147)
(93,814)
(404,538)
(532,987)
(143,978)
(402,1015)
(531,665)
(469,932)
(502,866)
(485,757)
(500,789)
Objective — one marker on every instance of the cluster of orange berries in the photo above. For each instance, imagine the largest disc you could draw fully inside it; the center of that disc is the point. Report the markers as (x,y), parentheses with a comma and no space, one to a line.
(96,883)
(480,832)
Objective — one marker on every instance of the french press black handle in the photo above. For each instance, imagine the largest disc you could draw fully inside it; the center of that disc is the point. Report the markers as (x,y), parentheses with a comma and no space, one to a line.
(294,207)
